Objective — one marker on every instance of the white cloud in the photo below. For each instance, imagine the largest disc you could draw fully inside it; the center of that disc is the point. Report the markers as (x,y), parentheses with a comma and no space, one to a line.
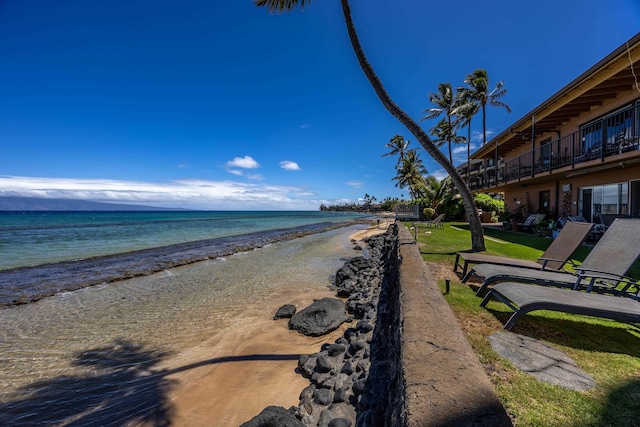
(195,194)
(235,172)
(460,153)
(304,126)
(245,162)
(354,184)
(440,174)
(289,165)
(462,149)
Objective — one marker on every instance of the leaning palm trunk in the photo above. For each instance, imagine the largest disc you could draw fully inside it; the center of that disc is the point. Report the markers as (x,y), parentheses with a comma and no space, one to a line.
(477,236)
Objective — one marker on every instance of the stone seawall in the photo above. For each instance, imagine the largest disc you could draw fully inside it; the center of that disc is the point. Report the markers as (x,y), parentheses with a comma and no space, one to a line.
(406,362)
(444,383)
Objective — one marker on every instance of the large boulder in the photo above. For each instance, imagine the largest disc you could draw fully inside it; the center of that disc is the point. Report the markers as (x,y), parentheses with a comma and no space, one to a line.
(320,318)
(274,416)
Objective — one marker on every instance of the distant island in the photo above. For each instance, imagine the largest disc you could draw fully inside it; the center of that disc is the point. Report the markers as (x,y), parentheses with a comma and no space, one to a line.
(14,203)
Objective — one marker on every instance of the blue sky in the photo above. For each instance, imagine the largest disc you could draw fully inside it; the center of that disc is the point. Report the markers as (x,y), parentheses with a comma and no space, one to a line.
(222,105)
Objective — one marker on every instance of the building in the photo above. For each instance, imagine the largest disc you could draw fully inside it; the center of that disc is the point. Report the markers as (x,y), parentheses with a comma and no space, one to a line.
(577,153)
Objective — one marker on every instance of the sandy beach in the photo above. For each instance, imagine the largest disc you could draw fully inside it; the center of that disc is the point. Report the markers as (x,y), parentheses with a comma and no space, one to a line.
(194,345)
(231,392)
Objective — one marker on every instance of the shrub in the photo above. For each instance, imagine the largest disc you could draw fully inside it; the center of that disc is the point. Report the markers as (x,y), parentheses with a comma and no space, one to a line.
(488,203)
(428,212)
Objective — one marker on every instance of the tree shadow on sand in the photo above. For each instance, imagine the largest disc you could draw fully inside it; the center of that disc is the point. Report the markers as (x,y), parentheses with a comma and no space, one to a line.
(124,387)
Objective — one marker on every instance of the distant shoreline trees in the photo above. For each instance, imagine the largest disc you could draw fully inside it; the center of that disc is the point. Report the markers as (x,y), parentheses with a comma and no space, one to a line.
(368,205)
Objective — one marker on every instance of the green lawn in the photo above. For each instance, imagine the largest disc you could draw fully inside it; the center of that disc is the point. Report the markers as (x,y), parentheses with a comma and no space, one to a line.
(609,351)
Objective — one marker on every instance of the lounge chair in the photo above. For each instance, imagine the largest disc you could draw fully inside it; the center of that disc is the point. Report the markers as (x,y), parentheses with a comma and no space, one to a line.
(554,258)
(437,222)
(603,270)
(523,298)
(531,221)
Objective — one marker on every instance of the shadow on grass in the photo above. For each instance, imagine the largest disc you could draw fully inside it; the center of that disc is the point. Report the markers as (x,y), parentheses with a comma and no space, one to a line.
(440,253)
(525,239)
(619,409)
(576,333)
(125,387)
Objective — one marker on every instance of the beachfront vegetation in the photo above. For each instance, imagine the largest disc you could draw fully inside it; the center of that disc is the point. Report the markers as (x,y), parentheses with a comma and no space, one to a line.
(445,132)
(609,351)
(477,92)
(410,174)
(477,237)
(467,109)
(445,104)
(488,203)
(368,205)
(399,147)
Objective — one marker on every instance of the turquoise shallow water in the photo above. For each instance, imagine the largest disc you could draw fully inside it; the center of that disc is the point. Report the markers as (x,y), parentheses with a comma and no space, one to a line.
(33,238)
(101,355)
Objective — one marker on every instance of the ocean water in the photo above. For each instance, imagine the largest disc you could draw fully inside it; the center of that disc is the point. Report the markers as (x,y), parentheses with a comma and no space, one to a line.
(34,238)
(103,355)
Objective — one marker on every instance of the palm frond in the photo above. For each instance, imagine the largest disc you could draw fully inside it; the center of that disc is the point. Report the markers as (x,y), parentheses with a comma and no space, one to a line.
(496,103)
(279,6)
(432,113)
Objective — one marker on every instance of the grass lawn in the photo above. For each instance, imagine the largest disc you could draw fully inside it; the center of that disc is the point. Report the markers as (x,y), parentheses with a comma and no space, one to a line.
(609,351)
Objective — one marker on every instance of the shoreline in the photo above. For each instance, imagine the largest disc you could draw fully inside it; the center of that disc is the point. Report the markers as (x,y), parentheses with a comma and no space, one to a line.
(198,340)
(24,285)
(263,369)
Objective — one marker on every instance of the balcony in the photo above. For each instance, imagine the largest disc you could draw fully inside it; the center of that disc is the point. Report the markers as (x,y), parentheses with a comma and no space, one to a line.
(610,136)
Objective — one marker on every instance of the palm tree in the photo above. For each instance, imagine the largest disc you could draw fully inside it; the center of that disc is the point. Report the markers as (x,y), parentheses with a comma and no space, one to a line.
(446,103)
(398,146)
(437,192)
(445,131)
(411,173)
(478,91)
(477,236)
(468,108)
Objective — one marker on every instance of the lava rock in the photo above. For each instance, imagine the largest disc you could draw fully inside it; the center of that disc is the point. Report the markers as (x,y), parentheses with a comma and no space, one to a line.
(274,416)
(323,396)
(320,318)
(285,312)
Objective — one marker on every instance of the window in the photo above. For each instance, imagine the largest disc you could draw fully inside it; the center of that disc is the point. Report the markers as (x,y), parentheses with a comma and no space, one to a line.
(620,122)
(591,137)
(607,129)
(604,199)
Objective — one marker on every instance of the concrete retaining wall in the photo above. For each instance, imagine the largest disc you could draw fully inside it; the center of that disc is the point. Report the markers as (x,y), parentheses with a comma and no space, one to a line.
(442,382)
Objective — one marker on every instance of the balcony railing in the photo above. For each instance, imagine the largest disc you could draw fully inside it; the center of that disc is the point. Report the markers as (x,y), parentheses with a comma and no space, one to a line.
(615,134)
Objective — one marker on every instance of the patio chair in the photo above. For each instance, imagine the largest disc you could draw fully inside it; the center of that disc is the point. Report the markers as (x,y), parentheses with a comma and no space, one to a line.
(554,258)
(523,298)
(437,222)
(603,270)
(531,220)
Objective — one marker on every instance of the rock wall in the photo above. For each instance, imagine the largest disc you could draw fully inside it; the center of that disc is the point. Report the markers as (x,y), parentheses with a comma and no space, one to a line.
(389,369)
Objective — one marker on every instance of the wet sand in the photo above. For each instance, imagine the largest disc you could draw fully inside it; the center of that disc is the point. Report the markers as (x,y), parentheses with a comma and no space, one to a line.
(232,392)
(189,346)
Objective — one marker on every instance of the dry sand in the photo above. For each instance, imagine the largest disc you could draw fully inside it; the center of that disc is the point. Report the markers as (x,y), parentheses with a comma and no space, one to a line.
(227,389)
